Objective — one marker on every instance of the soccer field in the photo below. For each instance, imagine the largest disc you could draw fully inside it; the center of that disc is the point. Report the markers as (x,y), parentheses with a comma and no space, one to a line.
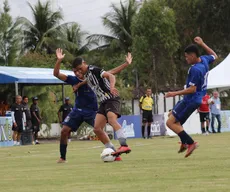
(153,165)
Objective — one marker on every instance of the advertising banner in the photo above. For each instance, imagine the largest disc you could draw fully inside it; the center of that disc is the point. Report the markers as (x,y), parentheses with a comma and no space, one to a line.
(131,125)
(6,132)
(158,125)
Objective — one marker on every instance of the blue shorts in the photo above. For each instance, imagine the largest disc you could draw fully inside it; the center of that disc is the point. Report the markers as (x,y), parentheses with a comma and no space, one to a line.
(183,109)
(77,116)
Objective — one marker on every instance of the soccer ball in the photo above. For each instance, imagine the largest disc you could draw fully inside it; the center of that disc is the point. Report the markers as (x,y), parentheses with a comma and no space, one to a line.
(106,155)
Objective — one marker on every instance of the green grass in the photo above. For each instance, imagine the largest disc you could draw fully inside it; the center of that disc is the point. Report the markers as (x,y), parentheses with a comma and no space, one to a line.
(153,165)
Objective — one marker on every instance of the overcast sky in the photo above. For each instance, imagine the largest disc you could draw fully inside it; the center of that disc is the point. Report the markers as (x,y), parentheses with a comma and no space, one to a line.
(86,12)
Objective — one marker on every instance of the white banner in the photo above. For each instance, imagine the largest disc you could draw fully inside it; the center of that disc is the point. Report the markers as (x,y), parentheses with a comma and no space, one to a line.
(6,131)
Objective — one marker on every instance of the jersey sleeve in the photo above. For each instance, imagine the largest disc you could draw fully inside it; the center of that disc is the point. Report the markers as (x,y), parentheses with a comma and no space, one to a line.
(141,99)
(194,77)
(208,58)
(72,80)
(61,109)
(32,108)
(97,71)
(12,108)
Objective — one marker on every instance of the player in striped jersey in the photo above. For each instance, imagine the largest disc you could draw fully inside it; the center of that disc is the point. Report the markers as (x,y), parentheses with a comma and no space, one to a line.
(103,84)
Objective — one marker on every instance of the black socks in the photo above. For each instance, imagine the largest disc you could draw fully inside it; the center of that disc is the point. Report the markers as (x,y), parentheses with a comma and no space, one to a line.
(63,151)
(185,138)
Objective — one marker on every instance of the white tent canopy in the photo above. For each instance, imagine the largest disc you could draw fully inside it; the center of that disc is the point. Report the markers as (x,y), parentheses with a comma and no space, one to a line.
(219,77)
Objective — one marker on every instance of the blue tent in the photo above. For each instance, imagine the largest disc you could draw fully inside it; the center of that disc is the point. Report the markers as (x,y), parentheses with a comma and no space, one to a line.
(26,75)
(21,76)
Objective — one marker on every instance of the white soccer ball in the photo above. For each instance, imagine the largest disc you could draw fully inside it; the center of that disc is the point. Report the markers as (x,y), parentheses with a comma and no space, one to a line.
(106,155)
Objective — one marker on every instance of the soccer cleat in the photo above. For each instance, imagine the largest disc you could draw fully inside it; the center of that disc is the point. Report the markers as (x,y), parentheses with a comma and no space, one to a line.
(191,148)
(61,160)
(120,150)
(118,158)
(183,148)
(37,143)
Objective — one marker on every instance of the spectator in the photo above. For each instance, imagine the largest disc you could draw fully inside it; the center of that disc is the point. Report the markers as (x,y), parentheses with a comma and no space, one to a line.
(18,117)
(27,112)
(215,111)
(146,105)
(36,118)
(65,109)
(204,114)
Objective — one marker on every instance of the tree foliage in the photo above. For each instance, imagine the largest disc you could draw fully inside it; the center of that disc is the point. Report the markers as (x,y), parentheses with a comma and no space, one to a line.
(118,22)
(9,37)
(155,40)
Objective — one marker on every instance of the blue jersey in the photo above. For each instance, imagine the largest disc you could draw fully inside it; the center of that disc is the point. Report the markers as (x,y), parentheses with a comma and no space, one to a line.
(85,99)
(198,76)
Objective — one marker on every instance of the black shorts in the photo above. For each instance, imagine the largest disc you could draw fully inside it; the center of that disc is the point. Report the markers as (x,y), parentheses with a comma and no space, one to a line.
(36,127)
(110,105)
(28,124)
(19,128)
(204,116)
(147,116)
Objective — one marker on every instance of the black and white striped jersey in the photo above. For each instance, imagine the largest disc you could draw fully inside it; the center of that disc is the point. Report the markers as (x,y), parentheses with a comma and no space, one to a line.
(98,84)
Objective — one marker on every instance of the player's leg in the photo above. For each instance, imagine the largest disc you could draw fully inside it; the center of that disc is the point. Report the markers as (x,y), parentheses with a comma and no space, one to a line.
(36,130)
(144,123)
(100,122)
(150,120)
(15,136)
(212,123)
(113,112)
(63,143)
(19,135)
(219,123)
(207,123)
(202,121)
(71,123)
(180,114)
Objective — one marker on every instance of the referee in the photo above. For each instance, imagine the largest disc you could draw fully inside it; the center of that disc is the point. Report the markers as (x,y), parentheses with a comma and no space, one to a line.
(146,105)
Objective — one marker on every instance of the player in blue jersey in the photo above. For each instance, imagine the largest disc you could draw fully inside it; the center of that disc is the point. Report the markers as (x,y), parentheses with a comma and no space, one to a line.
(196,85)
(85,108)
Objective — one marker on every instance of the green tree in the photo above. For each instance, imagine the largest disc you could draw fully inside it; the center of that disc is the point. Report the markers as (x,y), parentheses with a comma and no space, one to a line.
(9,37)
(155,40)
(44,32)
(118,22)
(74,36)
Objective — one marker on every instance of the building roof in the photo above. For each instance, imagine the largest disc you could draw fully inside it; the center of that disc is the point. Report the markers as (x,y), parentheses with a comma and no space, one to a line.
(28,75)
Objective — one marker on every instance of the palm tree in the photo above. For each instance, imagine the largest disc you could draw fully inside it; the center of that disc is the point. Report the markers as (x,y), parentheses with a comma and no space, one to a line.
(118,22)
(9,37)
(44,30)
(72,37)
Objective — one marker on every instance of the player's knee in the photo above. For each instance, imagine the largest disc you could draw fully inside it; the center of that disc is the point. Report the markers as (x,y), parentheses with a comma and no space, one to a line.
(65,130)
(112,121)
(169,123)
(97,130)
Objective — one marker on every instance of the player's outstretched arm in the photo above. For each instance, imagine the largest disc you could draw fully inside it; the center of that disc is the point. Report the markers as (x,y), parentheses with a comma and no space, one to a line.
(112,81)
(200,42)
(56,71)
(128,61)
(77,86)
(189,90)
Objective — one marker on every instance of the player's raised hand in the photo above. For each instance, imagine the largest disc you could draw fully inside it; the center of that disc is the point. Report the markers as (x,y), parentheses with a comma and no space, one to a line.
(114,91)
(198,40)
(129,58)
(59,54)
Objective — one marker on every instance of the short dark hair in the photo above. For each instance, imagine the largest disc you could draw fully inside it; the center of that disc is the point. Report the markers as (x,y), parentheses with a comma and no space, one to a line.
(78,61)
(24,97)
(192,49)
